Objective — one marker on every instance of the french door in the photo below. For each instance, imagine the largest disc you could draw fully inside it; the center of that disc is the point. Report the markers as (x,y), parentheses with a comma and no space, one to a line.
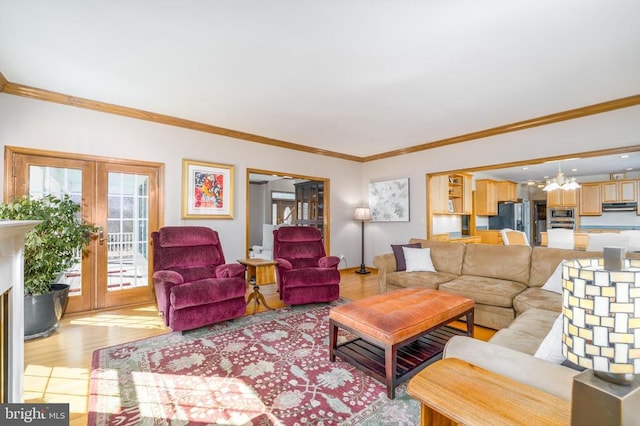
(121,197)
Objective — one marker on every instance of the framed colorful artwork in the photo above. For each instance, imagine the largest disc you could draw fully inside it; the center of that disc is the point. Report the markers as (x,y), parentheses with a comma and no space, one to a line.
(207,190)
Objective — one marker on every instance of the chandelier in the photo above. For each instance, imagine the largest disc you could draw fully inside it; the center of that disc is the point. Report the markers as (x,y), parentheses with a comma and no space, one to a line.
(561,182)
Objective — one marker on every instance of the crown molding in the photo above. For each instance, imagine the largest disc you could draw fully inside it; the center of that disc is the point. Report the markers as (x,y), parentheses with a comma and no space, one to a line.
(3,82)
(514,127)
(60,98)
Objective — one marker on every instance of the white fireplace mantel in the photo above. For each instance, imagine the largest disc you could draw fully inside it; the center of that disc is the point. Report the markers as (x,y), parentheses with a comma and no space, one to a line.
(12,278)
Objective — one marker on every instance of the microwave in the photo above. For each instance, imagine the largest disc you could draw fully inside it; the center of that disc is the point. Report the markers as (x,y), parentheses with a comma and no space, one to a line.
(562,213)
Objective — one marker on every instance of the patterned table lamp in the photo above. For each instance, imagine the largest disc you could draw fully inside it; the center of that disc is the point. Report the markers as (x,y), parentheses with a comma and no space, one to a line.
(601,332)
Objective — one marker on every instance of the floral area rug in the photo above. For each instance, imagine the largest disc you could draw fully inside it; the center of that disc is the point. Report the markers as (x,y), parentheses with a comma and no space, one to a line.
(272,368)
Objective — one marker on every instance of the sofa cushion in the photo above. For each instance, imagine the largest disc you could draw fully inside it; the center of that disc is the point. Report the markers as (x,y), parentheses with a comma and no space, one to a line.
(418,259)
(527,332)
(536,297)
(418,279)
(544,261)
(551,347)
(487,291)
(511,263)
(446,257)
(554,282)
(399,254)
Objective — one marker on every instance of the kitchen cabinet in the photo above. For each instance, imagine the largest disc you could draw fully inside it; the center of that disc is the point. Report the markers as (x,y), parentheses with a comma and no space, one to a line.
(506,190)
(619,191)
(590,199)
(450,194)
(562,198)
(489,236)
(439,194)
(486,198)
(310,204)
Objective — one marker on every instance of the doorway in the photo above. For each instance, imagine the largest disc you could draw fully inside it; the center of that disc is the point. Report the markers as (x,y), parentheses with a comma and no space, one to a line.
(121,197)
(272,199)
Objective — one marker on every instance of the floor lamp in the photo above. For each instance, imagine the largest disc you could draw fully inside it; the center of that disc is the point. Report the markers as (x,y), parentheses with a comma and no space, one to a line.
(363,214)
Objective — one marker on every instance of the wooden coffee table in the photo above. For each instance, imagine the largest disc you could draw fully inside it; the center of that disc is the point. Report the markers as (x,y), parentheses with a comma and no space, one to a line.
(399,332)
(259,272)
(452,392)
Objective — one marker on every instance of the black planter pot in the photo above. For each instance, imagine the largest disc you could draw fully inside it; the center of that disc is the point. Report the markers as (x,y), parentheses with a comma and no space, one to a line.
(42,313)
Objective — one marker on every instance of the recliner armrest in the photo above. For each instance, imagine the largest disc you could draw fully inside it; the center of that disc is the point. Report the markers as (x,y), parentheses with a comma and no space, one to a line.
(169,277)
(328,262)
(230,270)
(283,263)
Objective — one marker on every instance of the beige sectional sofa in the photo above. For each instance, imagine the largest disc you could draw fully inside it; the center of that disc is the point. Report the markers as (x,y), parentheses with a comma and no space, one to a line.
(506,284)
(504,281)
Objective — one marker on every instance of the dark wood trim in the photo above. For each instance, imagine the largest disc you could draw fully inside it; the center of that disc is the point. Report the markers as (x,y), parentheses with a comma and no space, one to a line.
(60,98)
(49,96)
(514,127)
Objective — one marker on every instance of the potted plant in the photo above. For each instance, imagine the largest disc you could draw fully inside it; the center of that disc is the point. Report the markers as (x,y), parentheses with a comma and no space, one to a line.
(50,248)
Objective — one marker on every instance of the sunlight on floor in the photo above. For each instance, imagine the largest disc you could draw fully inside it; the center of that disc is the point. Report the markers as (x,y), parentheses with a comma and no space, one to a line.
(111,320)
(57,385)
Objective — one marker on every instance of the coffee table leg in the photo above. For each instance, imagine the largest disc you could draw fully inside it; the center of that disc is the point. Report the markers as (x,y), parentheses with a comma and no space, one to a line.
(390,360)
(333,340)
(470,323)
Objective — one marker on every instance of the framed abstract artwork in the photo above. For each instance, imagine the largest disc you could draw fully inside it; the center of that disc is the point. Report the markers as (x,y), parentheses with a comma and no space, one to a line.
(389,200)
(207,190)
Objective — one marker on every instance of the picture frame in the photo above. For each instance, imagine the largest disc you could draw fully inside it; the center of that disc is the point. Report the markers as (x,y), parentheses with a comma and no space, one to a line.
(450,207)
(207,190)
(389,200)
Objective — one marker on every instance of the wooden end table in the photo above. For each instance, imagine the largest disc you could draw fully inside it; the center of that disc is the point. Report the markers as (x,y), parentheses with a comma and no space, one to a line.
(453,392)
(259,272)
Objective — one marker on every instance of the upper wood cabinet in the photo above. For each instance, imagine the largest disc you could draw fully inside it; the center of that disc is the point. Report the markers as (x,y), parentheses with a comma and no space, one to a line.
(486,197)
(562,198)
(450,194)
(590,199)
(439,194)
(506,190)
(618,191)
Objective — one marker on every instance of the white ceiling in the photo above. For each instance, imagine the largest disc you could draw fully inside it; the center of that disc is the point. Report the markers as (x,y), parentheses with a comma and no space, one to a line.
(359,77)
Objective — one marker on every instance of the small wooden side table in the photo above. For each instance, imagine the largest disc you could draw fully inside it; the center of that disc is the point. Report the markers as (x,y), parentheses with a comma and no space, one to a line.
(259,272)
(453,392)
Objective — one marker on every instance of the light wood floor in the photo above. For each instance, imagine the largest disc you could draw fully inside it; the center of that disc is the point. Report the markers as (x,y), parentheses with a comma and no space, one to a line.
(57,368)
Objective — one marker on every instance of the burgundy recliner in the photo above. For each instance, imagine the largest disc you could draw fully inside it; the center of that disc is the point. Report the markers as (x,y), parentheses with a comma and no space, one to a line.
(305,274)
(194,287)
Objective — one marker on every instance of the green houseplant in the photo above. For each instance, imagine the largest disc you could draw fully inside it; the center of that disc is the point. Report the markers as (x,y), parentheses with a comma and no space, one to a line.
(50,248)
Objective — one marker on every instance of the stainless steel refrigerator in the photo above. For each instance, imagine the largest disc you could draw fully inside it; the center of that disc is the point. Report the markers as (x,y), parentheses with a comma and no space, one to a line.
(511,215)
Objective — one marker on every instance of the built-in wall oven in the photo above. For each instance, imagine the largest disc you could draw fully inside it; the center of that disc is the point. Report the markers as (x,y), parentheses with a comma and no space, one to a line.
(561,217)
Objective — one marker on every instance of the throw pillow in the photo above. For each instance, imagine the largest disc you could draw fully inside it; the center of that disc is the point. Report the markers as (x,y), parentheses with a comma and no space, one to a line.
(551,347)
(554,283)
(399,254)
(418,259)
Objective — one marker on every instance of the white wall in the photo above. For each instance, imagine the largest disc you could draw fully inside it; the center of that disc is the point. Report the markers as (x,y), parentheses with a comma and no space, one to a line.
(44,125)
(602,131)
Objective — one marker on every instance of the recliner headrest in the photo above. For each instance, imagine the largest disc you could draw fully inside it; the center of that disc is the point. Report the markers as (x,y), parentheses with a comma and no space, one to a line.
(187,236)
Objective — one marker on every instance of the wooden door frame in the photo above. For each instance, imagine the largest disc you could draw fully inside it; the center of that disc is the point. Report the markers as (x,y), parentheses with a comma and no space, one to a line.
(327,204)
(10,190)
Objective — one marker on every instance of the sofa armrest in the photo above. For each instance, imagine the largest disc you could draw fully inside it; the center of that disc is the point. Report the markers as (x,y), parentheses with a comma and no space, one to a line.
(230,270)
(538,373)
(384,263)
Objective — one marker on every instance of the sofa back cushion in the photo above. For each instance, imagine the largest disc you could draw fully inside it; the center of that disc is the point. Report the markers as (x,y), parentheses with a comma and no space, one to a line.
(446,257)
(545,260)
(503,262)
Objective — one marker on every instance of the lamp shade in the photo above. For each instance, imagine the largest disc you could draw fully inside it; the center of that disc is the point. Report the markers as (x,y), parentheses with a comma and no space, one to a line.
(601,309)
(363,214)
